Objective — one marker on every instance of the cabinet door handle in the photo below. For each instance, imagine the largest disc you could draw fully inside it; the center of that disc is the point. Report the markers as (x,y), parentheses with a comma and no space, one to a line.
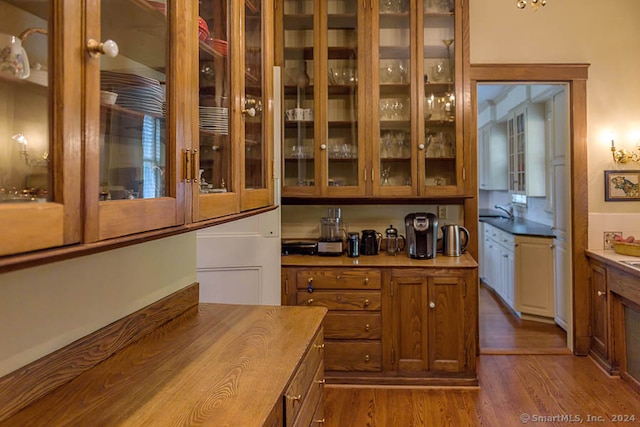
(421,146)
(321,382)
(366,302)
(364,173)
(552,246)
(432,304)
(601,294)
(366,358)
(251,112)
(293,398)
(366,280)
(194,165)
(318,346)
(320,421)
(367,327)
(310,301)
(323,146)
(108,48)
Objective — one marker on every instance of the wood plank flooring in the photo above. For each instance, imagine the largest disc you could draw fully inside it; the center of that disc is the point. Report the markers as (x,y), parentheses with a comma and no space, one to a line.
(511,386)
(502,332)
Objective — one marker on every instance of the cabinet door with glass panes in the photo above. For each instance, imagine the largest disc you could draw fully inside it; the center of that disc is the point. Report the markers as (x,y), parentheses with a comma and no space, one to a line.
(393,140)
(233,132)
(439,86)
(40,128)
(135,116)
(323,133)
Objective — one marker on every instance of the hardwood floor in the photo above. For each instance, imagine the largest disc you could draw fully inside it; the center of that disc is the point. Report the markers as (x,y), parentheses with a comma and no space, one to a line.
(510,387)
(502,332)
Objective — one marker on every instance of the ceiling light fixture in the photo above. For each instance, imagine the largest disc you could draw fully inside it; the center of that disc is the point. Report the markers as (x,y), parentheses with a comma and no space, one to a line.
(535,4)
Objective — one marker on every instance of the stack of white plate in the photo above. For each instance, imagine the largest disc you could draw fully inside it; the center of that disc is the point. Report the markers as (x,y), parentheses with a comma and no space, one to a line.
(135,92)
(215,119)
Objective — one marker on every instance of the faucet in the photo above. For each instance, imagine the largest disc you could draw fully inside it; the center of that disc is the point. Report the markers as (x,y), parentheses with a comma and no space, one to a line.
(508,211)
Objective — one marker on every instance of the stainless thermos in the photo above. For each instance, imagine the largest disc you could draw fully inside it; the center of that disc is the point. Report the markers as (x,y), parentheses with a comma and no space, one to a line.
(353,245)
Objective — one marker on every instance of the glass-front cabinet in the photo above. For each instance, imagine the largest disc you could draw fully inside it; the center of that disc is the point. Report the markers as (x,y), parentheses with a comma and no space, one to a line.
(39,186)
(233,148)
(133,142)
(119,117)
(370,91)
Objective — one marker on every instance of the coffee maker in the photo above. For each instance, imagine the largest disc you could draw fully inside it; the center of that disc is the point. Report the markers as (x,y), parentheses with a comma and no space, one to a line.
(422,235)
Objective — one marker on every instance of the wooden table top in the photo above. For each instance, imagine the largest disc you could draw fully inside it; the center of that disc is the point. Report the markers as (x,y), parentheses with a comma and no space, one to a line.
(218,364)
(380,260)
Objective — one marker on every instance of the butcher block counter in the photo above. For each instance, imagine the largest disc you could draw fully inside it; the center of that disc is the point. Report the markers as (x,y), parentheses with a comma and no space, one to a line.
(215,365)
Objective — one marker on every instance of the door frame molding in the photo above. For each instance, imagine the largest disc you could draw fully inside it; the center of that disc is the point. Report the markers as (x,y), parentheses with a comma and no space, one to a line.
(575,75)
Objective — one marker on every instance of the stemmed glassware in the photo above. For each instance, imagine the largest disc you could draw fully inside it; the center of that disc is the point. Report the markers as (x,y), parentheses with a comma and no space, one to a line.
(447,43)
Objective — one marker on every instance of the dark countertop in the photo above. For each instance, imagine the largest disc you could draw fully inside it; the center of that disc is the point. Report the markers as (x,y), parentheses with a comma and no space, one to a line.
(519,226)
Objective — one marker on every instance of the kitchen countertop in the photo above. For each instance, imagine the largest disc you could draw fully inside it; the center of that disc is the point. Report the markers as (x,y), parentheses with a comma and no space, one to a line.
(519,226)
(380,260)
(610,257)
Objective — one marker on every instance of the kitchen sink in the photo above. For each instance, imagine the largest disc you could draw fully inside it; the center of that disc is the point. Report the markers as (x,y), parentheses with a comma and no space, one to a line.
(634,264)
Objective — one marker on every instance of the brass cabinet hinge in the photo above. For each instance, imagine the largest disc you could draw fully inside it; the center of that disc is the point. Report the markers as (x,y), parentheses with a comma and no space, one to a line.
(286,286)
(464,289)
(391,288)
(464,174)
(393,356)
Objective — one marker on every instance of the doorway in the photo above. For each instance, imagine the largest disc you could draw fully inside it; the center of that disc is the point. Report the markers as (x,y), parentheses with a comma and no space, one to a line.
(574,76)
(523,140)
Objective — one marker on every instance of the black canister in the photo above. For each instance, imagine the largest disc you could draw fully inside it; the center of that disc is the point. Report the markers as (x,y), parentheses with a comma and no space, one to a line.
(353,245)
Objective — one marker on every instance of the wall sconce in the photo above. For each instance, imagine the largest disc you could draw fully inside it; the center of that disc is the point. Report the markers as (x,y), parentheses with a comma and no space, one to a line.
(623,156)
(24,152)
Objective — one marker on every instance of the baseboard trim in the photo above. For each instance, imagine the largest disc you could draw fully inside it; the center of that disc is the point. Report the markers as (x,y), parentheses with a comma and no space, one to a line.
(29,383)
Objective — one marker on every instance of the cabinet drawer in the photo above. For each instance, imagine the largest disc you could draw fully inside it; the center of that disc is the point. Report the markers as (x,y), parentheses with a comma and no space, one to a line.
(299,387)
(313,402)
(347,300)
(353,356)
(353,325)
(360,278)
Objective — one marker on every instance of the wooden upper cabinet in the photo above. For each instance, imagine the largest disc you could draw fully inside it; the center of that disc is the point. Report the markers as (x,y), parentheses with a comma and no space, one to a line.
(39,126)
(135,117)
(372,97)
(234,121)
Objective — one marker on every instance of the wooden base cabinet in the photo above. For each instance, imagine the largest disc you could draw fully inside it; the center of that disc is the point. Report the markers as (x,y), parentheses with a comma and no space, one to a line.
(599,314)
(427,326)
(389,325)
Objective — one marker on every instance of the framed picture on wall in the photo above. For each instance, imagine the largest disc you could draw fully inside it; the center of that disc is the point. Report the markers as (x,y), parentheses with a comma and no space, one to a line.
(621,186)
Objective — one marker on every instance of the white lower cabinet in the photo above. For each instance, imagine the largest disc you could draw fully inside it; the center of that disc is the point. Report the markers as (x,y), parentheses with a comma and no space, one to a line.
(534,271)
(520,269)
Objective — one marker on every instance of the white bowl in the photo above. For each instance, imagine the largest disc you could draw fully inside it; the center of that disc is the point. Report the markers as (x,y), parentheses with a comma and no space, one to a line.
(108,98)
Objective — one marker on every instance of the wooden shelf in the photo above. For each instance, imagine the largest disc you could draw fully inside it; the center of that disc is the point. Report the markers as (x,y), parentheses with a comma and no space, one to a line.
(298,22)
(345,21)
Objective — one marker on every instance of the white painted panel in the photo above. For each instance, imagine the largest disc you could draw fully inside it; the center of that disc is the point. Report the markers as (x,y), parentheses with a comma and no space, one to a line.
(231,286)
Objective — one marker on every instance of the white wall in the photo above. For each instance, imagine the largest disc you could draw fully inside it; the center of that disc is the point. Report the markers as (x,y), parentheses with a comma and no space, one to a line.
(47,307)
(603,34)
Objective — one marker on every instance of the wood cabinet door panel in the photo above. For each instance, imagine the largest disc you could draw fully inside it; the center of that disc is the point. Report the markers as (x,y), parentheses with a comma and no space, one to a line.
(353,325)
(364,278)
(347,300)
(410,323)
(353,356)
(446,320)
(598,283)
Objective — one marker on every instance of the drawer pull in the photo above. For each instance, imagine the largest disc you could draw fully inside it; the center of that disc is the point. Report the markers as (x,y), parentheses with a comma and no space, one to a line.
(294,398)
(321,382)
(366,358)
(320,421)
(367,327)
(432,304)
(366,280)
(601,294)
(338,277)
(319,346)
(310,285)
(310,301)
(366,303)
